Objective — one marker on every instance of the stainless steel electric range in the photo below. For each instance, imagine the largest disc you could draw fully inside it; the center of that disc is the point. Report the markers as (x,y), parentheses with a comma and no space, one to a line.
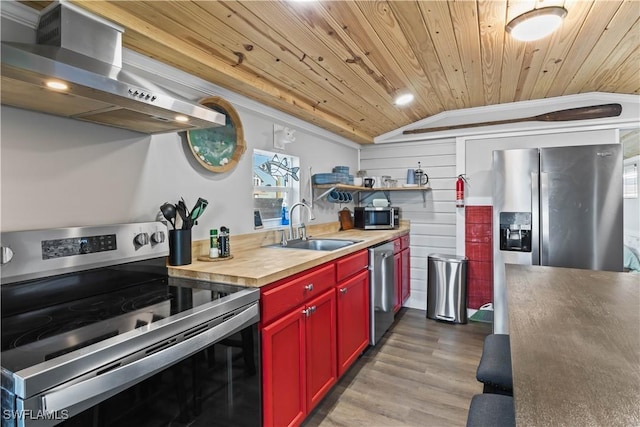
(95,332)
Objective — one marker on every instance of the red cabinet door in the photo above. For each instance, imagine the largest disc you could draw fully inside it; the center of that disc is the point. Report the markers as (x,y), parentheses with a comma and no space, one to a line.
(320,334)
(352,297)
(397,282)
(406,275)
(283,371)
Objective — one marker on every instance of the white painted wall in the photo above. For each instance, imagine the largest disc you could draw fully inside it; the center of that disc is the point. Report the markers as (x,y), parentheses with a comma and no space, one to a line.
(57,172)
(433,218)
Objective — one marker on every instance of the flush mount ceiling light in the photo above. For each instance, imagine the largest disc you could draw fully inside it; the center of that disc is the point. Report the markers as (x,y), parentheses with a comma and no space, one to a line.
(537,23)
(403,99)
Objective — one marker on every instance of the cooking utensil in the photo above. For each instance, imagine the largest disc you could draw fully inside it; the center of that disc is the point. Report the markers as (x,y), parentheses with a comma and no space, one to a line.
(198,209)
(169,213)
(182,212)
(581,113)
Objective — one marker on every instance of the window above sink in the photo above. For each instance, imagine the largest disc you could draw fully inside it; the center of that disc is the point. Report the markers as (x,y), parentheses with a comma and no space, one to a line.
(276,178)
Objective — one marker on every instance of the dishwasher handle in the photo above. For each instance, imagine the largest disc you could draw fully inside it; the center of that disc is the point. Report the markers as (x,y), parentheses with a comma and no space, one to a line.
(134,372)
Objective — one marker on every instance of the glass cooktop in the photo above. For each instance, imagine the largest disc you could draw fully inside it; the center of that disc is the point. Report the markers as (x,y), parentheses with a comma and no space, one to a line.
(50,317)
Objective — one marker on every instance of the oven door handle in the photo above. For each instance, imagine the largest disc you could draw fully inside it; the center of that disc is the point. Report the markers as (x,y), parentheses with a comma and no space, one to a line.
(123,377)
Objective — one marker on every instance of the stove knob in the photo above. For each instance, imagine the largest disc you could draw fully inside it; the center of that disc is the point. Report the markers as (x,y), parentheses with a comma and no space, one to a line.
(158,237)
(141,239)
(6,255)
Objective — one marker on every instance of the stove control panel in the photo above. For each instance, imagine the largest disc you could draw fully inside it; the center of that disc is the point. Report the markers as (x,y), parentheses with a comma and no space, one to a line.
(58,248)
(41,253)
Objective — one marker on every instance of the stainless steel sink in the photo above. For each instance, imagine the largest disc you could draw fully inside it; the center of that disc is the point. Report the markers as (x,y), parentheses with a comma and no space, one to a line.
(317,244)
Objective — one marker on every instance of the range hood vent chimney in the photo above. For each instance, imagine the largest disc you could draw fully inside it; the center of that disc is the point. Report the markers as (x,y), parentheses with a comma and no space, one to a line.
(84,53)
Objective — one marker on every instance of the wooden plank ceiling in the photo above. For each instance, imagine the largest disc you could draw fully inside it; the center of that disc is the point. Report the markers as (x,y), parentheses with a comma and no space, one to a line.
(339,64)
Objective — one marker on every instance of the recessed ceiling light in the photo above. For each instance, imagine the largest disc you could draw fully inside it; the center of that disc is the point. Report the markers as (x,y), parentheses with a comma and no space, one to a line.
(57,85)
(537,23)
(182,119)
(403,99)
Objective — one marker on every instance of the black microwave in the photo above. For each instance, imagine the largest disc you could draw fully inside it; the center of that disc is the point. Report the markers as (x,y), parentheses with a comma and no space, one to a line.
(376,218)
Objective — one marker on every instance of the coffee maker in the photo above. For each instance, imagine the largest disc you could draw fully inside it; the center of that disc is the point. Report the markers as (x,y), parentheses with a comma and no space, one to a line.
(420,177)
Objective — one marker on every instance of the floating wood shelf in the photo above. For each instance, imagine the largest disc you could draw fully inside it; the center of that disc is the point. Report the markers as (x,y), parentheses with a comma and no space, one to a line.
(353,188)
(346,187)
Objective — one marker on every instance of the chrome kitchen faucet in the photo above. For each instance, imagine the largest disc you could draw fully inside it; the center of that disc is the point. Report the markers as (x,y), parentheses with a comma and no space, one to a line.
(301,226)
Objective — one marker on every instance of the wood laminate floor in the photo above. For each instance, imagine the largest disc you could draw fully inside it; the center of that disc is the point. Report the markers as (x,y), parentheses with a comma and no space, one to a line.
(422,373)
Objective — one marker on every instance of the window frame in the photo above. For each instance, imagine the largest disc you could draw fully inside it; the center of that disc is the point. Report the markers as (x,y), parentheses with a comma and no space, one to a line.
(291,191)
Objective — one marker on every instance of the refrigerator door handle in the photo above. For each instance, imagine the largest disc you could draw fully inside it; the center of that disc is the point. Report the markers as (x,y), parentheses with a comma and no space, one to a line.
(544,218)
(535,219)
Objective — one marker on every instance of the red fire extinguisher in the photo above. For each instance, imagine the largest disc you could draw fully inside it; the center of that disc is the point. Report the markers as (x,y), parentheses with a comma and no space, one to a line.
(460,191)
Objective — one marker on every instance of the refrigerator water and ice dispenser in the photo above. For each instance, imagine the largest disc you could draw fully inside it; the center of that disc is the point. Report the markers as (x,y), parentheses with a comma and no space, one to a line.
(515,231)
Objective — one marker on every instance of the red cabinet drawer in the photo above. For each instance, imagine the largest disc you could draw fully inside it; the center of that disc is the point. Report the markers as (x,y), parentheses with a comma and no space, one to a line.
(404,242)
(283,296)
(351,264)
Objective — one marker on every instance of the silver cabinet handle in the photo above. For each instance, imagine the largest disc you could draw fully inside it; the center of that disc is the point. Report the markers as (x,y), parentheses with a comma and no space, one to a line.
(309,287)
(306,312)
(344,290)
(128,375)
(312,310)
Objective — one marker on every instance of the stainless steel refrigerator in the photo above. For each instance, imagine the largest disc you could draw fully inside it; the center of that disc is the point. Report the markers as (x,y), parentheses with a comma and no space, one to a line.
(557,206)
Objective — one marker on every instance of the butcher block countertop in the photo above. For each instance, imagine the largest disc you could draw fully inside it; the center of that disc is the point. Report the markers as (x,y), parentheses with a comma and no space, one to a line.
(255,265)
(575,346)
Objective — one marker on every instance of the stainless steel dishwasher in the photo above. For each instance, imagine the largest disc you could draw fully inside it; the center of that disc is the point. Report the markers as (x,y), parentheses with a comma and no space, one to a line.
(381,275)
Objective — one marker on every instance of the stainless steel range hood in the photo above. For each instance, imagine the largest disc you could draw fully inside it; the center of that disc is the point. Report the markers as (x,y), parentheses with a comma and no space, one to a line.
(85,53)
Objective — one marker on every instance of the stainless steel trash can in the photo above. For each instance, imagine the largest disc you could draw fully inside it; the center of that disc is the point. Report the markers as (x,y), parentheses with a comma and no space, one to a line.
(447,288)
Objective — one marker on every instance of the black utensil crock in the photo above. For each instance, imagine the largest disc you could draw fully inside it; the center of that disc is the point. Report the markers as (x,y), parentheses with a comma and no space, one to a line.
(179,247)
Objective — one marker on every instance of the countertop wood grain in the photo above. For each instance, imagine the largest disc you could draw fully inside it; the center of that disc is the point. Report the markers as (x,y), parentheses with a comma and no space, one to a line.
(575,346)
(260,266)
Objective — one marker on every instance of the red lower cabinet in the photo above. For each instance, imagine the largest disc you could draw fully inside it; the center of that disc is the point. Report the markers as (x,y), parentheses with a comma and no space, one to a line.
(397,282)
(405,280)
(352,297)
(315,325)
(283,368)
(299,361)
(402,277)
(320,345)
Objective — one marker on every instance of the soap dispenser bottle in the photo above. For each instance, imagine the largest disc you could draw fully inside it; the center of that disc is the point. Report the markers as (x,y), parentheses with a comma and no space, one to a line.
(284,220)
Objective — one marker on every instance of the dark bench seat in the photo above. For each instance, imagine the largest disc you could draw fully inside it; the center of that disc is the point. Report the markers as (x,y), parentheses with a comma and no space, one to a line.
(494,370)
(491,410)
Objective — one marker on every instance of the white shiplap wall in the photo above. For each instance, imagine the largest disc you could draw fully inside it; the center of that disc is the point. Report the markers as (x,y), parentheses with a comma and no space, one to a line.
(433,218)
